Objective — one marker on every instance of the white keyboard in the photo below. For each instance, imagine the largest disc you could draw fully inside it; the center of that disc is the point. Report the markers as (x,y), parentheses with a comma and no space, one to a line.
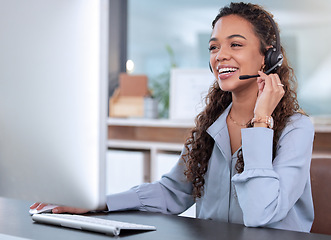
(89,223)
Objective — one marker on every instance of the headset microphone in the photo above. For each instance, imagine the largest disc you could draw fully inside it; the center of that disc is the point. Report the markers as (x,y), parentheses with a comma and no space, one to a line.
(278,64)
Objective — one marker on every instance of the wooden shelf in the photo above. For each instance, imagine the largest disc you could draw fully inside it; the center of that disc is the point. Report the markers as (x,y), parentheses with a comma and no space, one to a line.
(144,145)
(152,136)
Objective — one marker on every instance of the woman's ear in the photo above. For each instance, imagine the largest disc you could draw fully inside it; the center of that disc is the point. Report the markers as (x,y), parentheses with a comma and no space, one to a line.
(263,62)
(268,47)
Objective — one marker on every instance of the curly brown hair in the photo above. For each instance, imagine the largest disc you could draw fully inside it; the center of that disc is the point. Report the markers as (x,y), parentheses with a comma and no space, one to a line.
(199,144)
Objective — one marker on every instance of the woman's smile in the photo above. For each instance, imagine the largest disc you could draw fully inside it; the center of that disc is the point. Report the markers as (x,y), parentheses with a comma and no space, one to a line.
(225,72)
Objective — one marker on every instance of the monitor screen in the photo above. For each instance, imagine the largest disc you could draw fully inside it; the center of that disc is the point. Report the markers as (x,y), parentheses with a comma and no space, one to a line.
(53,101)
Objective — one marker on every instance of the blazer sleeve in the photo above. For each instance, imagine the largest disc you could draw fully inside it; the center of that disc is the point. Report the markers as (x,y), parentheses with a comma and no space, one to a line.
(171,194)
(267,189)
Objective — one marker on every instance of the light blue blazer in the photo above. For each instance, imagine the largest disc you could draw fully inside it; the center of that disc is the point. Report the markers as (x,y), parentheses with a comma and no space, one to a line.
(275,194)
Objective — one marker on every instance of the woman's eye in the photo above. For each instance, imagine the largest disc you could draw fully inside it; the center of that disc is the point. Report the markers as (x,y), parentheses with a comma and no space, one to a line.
(236,45)
(212,48)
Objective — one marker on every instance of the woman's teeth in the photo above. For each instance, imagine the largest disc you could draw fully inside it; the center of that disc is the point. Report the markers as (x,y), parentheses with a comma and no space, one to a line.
(226,70)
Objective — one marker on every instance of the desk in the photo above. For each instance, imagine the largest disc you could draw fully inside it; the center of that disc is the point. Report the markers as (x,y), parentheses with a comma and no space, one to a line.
(16,221)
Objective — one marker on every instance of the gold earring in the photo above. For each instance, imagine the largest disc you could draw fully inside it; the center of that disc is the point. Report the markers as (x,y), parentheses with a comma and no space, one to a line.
(262,68)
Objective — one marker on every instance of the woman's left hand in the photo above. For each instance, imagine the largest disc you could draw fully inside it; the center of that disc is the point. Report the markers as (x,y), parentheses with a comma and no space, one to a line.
(59,209)
(270,93)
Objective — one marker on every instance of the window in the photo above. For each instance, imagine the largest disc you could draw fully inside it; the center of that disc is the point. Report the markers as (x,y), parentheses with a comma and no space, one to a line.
(158,28)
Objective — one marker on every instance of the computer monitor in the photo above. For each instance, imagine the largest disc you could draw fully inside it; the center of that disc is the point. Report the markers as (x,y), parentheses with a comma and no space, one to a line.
(53,101)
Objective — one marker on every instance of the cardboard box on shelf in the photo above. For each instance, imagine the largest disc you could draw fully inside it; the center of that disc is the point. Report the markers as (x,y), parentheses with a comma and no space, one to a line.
(128,98)
(125,106)
(133,85)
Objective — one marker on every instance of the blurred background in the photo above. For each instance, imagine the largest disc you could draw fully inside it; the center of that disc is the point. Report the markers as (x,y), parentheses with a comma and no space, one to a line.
(161,33)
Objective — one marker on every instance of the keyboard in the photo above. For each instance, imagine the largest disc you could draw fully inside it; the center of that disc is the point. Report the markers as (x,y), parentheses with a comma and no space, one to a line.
(89,223)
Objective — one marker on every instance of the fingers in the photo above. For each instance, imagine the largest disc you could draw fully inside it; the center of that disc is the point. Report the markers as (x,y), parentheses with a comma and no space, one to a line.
(260,84)
(41,206)
(38,205)
(271,80)
(63,209)
(33,206)
(271,92)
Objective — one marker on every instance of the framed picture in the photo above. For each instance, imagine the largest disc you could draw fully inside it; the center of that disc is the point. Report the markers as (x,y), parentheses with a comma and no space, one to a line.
(188,88)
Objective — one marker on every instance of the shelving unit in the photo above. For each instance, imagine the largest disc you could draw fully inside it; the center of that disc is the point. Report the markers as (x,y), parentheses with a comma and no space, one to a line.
(154,136)
(149,136)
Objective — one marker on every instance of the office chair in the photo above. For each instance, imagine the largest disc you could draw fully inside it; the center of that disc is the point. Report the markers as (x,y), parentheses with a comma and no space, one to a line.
(320,175)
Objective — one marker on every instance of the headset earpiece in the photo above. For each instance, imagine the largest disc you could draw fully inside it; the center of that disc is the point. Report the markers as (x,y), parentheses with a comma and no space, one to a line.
(273,57)
(269,58)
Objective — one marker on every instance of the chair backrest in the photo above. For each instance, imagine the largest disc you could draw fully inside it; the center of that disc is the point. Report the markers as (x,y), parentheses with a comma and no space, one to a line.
(320,174)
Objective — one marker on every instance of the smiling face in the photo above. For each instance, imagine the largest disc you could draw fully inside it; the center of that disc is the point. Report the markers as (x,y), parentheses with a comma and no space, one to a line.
(234,51)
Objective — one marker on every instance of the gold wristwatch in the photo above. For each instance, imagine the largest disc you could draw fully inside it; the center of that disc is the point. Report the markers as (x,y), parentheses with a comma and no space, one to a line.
(267,120)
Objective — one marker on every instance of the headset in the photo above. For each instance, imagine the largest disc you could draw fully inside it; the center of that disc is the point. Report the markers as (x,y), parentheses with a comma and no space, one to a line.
(273,57)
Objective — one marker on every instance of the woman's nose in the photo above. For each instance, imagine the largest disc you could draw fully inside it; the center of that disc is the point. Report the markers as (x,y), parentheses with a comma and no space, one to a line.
(223,54)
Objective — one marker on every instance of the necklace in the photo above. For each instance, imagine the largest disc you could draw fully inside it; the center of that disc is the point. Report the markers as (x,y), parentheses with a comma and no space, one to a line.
(242,125)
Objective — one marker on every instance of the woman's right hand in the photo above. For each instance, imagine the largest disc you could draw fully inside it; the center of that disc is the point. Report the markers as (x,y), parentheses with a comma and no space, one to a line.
(270,93)
(59,209)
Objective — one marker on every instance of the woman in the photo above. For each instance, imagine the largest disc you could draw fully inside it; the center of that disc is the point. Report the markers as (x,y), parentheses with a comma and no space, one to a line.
(235,165)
